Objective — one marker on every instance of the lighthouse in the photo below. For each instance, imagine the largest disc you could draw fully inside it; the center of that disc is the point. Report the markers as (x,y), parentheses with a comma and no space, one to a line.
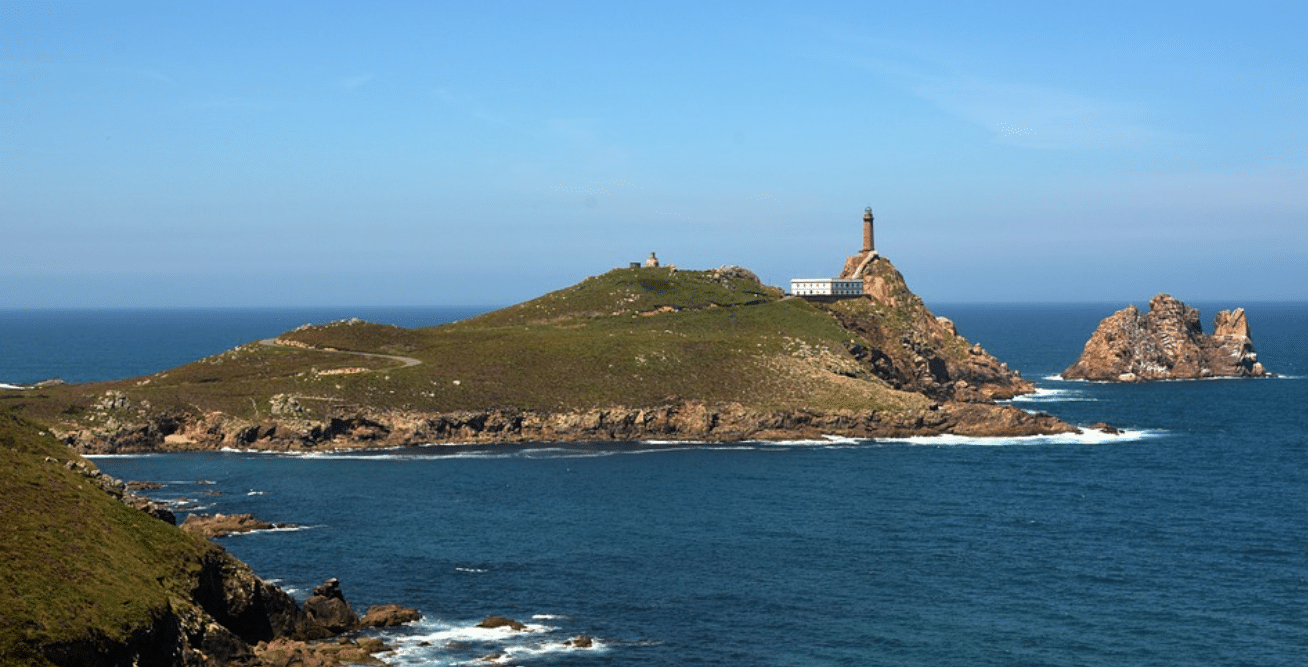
(868,244)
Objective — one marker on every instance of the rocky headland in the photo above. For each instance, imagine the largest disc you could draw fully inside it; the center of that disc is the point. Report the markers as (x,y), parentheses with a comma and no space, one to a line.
(1167,343)
(633,354)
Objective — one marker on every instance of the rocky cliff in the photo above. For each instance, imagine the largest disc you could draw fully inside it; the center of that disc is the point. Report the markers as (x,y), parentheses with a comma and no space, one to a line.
(359,427)
(913,349)
(1167,343)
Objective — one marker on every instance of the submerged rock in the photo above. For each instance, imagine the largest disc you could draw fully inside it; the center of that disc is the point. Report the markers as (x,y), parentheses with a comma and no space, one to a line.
(492,622)
(1167,343)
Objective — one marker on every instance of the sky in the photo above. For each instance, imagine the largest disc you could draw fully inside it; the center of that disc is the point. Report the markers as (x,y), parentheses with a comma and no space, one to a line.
(238,153)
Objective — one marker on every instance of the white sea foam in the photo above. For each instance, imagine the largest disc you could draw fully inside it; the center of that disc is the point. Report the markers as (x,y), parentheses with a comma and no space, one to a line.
(664,449)
(1215,378)
(445,643)
(472,570)
(1048,395)
(5,385)
(278,529)
(1085,437)
(829,441)
(256,493)
(521,653)
(562,453)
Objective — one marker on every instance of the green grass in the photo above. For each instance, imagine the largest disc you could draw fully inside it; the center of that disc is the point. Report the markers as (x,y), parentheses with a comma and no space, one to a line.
(630,337)
(77,563)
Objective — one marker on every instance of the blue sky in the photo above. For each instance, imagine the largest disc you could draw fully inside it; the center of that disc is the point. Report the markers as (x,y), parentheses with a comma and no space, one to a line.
(392,153)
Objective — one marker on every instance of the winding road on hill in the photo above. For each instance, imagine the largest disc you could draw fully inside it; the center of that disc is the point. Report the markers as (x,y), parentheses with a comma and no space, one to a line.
(406,361)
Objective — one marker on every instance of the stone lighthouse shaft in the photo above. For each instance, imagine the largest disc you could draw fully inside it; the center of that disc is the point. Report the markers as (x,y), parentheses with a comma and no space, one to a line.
(868,244)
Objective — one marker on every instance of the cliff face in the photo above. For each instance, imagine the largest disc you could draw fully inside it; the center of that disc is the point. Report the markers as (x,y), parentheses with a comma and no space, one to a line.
(911,348)
(1167,343)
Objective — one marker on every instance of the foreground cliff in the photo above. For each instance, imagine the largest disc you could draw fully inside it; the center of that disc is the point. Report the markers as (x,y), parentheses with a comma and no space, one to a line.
(1167,343)
(631,354)
(90,580)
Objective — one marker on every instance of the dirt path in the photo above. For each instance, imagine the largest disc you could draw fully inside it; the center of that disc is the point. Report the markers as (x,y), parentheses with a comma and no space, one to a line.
(405,361)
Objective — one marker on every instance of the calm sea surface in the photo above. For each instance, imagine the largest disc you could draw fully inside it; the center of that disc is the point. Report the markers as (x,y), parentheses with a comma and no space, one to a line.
(1183,542)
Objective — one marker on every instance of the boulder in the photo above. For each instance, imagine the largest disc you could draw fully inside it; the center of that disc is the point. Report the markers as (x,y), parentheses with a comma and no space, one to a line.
(388,615)
(290,653)
(492,622)
(154,509)
(327,612)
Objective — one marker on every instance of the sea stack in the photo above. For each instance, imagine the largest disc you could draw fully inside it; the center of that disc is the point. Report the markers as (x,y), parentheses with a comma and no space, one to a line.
(1167,343)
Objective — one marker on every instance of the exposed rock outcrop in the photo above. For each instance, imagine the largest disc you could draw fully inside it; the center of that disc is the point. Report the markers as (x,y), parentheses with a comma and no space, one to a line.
(1167,343)
(492,622)
(388,615)
(222,525)
(911,348)
(327,612)
(365,427)
(347,651)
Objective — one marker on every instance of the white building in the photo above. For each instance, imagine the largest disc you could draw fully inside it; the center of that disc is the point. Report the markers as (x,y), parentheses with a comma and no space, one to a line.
(825,287)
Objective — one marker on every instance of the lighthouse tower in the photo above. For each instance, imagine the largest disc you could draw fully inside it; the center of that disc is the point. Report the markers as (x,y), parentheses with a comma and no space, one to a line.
(868,244)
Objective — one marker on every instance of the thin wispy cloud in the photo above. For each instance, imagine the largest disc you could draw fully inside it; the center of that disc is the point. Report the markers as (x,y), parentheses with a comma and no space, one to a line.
(470,106)
(1036,116)
(356,81)
(1266,188)
(1013,111)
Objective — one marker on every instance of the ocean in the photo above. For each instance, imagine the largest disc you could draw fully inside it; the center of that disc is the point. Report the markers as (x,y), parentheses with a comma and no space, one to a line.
(1183,541)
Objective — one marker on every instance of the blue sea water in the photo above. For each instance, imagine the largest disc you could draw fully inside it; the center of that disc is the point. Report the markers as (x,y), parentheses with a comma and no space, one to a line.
(1182,542)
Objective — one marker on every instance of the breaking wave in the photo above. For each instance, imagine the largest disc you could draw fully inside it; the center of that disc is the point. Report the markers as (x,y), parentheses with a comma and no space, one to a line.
(440,642)
(1048,395)
(1085,437)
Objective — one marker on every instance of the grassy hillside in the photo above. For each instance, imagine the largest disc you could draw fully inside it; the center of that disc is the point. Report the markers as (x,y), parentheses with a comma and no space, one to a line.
(657,345)
(632,337)
(77,563)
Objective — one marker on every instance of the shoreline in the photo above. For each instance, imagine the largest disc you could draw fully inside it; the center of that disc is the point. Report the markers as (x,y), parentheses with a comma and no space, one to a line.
(689,423)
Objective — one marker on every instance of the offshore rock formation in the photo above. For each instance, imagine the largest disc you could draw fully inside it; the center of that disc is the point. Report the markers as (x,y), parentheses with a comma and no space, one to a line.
(1168,343)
